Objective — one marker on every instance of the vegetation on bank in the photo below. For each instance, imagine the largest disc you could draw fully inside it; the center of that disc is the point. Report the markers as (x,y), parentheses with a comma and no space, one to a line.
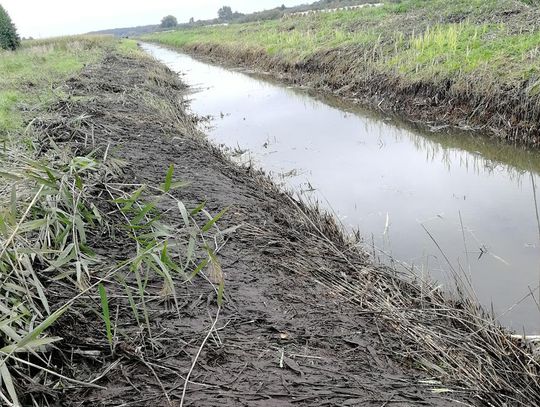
(426,40)
(40,222)
(486,51)
(30,77)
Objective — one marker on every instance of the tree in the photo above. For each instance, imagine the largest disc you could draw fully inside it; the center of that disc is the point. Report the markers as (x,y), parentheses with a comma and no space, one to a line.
(192,21)
(225,13)
(169,22)
(9,39)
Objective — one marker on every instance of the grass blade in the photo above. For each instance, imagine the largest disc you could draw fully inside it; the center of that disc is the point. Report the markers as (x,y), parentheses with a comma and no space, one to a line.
(213,221)
(168,179)
(105,312)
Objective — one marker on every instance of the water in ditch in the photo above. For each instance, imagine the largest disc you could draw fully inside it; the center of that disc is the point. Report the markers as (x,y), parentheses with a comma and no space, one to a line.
(444,203)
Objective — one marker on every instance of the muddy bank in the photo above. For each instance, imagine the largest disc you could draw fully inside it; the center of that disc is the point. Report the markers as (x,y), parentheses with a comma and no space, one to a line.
(510,114)
(307,318)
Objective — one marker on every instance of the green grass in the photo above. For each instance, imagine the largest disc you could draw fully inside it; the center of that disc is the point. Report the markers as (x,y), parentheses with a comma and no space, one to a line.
(29,77)
(417,39)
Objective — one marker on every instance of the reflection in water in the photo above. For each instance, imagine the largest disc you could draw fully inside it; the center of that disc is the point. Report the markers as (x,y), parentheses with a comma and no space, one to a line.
(407,190)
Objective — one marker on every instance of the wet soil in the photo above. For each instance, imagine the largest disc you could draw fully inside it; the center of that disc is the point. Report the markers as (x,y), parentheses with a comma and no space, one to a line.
(282,338)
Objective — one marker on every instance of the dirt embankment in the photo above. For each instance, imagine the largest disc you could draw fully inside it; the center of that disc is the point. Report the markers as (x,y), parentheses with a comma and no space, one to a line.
(307,319)
(512,114)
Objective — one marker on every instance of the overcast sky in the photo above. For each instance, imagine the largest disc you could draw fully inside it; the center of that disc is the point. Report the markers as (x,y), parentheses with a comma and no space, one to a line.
(43,18)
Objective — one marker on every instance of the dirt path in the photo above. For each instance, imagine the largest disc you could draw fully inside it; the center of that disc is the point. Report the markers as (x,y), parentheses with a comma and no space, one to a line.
(282,338)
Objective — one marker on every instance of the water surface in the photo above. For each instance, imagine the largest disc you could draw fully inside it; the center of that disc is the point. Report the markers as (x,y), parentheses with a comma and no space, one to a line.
(435,201)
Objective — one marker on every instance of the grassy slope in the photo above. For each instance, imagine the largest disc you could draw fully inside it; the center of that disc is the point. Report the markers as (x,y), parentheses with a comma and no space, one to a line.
(481,48)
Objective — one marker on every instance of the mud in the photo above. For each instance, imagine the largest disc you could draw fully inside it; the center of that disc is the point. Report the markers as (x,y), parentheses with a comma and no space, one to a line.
(285,336)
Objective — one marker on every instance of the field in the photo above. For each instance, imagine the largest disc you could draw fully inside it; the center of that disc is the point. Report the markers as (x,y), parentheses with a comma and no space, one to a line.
(142,267)
(464,63)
